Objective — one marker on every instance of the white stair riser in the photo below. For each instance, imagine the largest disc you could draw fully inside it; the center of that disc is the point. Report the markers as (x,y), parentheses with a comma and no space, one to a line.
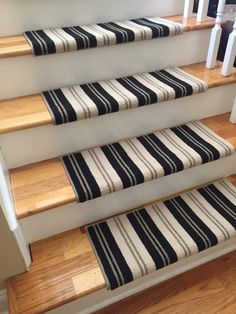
(19,16)
(28,75)
(103,298)
(49,141)
(74,215)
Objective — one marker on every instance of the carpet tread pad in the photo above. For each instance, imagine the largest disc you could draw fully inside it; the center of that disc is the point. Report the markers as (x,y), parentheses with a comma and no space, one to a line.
(134,244)
(65,39)
(103,170)
(85,101)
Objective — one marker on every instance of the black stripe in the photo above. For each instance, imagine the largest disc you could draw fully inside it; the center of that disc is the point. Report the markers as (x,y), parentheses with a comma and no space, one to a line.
(174,160)
(216,204)
(37,48)
(155,235)
(158,29)
(65,103)
(206,233)
(119,258)
(82,165)
(85,36)
(126,159)
(179,92)
(104,106)
(122,34)
(142,96)
(187,86)
(206,151)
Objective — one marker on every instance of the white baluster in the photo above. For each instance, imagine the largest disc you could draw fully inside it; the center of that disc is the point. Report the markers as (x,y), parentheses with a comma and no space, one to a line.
(202,10)
(230,53)
(188,8)
(215,37)
(233,114)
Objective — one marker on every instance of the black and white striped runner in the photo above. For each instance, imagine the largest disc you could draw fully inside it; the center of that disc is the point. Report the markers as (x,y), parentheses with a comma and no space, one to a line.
(89,100)
(132,245)
(98,35)
(103,170)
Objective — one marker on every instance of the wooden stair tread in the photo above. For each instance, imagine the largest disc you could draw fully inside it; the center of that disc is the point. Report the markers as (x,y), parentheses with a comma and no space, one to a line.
(30,111)
(14,46)
(43,185)
(64,269)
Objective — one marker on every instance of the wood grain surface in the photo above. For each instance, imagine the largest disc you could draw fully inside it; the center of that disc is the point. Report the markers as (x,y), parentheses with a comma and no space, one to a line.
(207,289)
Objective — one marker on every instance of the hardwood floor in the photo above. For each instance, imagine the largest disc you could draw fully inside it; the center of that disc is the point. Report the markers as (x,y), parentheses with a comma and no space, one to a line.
(208,289)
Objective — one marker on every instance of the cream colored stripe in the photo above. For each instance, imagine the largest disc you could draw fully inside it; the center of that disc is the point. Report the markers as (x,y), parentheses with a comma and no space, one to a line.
(135,242)
(140,32)
(177,231)
(228,189)
(100,172)
(212,138)
(156,86)
(214,221)
(190,79)
(151,168)
(58,42)
(121,94)
(186,154)
(80,102)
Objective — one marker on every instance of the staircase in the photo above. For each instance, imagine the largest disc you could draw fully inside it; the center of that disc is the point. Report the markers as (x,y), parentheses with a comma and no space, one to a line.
(88,134)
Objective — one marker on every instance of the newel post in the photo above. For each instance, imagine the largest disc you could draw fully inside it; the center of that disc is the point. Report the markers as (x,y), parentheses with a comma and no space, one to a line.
(188,8)
(202,10)
(215,37)
(230,53)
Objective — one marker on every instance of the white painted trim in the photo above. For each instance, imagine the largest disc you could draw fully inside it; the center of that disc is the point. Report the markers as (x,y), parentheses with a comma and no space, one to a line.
(104,298)
(202,10)
(233,113)
(188,8)
(75,215)
(3,302)
(7,205)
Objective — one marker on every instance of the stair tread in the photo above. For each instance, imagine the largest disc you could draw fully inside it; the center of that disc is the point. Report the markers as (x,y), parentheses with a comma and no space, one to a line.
(14,46)
(31,111)
(43,185)
(64,269)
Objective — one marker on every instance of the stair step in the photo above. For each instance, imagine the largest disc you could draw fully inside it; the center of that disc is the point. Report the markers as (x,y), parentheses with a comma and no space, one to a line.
(31,111)
(14,46)
(64,269)
(45,185)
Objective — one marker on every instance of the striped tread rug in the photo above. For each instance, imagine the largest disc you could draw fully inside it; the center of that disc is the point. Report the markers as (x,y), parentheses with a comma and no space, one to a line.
(64,39)
(103,170)
(85,101)
(134,244)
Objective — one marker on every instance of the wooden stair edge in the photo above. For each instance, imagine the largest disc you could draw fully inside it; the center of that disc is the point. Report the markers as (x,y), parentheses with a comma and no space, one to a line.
(26,112)
(70,254)
(45,185)
(17,45)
